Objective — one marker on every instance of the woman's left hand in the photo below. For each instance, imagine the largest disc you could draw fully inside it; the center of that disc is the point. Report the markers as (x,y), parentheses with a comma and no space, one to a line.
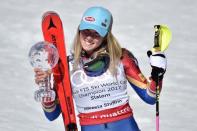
(158,59)
(158,62)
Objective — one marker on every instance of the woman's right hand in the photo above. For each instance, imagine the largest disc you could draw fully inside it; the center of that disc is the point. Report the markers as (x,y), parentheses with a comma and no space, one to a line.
(46,100)
(41,75)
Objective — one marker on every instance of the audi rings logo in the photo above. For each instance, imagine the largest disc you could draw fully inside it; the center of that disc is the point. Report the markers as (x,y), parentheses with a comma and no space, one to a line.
(79,78)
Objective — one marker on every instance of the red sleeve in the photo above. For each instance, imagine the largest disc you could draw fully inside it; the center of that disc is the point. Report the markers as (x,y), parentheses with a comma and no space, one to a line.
(132,70)
(133,73)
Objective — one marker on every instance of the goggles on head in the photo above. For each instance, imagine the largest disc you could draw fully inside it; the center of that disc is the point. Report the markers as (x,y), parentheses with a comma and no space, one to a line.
(97,64)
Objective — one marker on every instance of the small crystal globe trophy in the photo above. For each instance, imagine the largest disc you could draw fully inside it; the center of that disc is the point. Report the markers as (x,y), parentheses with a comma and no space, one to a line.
(45,56)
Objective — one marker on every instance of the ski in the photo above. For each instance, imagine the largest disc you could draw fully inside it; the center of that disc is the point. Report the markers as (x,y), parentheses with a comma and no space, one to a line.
(52,29)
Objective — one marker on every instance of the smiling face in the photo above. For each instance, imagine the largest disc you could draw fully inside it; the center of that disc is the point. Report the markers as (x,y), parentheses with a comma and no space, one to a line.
(90,40)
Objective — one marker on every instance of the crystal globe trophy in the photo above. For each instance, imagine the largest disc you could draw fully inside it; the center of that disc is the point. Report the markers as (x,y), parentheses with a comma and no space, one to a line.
(45,56)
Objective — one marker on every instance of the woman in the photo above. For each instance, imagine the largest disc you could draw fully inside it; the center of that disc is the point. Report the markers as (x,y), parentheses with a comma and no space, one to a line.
(99,71)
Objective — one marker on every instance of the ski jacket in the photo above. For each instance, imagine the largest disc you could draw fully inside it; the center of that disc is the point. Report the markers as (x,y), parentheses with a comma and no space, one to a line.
(104,98)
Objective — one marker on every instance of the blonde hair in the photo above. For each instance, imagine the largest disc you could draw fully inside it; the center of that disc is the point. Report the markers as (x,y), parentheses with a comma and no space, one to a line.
(113,47)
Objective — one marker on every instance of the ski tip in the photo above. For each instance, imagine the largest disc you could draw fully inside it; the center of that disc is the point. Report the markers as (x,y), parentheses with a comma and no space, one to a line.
(49,13)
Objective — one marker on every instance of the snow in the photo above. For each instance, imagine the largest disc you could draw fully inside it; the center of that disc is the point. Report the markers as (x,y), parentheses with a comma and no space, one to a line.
(20,27)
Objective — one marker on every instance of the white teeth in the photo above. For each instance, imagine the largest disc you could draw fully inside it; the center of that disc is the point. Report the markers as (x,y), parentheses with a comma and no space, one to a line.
(88,43)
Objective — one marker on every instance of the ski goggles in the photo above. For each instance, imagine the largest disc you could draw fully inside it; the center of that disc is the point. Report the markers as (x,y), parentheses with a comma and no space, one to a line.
(97,64)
